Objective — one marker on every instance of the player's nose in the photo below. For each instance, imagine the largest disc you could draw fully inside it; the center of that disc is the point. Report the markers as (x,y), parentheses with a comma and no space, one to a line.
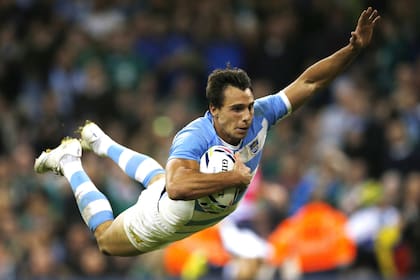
(247,116)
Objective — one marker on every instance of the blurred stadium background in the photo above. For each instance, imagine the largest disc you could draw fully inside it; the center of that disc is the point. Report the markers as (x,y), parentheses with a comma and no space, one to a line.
(139,68)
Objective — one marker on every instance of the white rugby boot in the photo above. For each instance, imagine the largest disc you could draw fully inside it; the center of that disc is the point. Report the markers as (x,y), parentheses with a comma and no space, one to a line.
(49,160)
(92,138)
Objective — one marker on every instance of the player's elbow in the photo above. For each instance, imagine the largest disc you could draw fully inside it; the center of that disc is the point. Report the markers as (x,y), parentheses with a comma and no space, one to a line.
(174,192)
(313,86)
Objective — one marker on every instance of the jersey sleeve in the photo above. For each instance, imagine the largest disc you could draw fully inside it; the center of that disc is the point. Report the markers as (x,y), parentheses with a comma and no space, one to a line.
(274,107)
(190,143)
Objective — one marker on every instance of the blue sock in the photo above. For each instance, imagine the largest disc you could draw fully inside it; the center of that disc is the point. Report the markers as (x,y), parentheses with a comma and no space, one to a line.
(93,205)
(138,166)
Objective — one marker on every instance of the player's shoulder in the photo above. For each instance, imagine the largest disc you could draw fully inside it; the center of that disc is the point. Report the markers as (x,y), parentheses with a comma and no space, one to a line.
(201,122)
(201,126)
(273,107)
(192,140)
(200,130)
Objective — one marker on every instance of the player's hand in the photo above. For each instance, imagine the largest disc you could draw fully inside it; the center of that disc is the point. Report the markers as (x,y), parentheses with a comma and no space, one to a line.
(362,36)
(243,172)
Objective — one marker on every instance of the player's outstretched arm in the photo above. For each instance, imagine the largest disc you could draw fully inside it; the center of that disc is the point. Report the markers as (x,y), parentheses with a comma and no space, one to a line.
(320,74)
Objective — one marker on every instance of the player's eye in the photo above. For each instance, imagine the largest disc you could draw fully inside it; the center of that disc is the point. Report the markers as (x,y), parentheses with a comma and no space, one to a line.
(237,108)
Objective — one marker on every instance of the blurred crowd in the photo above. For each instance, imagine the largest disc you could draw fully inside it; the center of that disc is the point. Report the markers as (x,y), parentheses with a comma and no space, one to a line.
(139,69)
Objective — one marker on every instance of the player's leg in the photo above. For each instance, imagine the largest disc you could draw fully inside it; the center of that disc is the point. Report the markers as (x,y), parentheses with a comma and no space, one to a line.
(94,207)
(138,166)
(112,239)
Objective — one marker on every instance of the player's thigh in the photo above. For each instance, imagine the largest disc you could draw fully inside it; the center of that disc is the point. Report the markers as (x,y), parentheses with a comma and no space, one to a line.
(112,239)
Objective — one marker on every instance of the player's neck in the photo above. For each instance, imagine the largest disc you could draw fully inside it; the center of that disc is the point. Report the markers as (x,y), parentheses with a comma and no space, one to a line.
(232,147)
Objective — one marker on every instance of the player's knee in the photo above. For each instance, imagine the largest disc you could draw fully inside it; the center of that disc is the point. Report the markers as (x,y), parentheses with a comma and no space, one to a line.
(102,243)
(156,178)
(105,252)
(101,238)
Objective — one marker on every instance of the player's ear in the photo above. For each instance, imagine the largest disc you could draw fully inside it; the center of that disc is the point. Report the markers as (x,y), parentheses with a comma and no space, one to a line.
(213,110)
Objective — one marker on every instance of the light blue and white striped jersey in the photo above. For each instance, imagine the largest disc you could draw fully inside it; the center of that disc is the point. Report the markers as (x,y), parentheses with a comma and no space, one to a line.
(197,137)
(178,219)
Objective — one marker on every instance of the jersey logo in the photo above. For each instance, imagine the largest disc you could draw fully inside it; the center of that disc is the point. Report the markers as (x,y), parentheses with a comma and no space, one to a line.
(254,146)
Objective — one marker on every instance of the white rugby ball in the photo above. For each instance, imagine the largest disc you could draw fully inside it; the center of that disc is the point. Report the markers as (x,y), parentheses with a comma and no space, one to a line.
(218,159)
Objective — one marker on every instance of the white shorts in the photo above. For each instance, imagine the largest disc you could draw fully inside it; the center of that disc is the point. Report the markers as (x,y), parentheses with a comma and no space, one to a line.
(153,221)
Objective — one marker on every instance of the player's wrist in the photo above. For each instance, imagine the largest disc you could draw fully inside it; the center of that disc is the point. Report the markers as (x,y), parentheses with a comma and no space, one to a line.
(353,47)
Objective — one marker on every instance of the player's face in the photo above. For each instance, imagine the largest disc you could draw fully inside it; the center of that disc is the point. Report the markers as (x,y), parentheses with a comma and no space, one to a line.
(233,119)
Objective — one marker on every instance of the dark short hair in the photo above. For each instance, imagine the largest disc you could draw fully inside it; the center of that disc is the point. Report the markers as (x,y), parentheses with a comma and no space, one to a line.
(220,79)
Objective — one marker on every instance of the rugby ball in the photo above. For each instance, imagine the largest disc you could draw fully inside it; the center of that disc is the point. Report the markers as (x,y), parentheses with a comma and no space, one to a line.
(218,159)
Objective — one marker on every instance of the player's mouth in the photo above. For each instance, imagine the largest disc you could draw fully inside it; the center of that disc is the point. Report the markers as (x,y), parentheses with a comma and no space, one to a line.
(242,129)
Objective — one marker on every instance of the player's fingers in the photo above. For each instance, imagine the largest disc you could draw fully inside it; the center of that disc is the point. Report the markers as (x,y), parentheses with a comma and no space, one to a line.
(368,15)
(369,12)
(363,16)
(373,15)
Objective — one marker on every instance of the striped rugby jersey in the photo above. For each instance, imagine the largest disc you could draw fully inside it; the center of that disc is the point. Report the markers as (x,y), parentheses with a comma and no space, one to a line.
(197,137)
